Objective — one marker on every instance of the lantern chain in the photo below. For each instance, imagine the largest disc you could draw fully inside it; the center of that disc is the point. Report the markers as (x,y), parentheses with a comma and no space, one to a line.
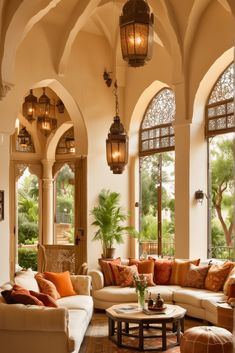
(116,98)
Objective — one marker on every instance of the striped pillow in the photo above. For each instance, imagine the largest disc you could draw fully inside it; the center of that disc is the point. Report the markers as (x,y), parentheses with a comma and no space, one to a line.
(180,269)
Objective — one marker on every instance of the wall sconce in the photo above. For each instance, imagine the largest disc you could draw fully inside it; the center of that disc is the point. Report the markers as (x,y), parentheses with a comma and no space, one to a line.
(199,196)
(136,32)
(107,78)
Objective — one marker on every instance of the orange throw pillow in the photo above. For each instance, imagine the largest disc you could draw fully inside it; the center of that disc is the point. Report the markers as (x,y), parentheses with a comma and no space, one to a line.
(62,282)
(144,266)
(126,275)
(180,269)
(46,287)
(216,276)
(109,277)
(162,271)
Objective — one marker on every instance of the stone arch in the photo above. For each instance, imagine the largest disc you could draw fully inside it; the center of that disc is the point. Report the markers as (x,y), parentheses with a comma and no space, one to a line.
(207,83)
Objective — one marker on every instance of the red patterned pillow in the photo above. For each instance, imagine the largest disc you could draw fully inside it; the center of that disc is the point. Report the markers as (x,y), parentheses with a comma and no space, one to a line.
(22,296)
(162,271)
(196,276)
(126,275)
(107,270)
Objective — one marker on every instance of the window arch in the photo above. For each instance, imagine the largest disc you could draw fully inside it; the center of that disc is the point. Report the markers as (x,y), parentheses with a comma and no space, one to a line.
(156,152)
(220,107)
(220,128)
(156,131)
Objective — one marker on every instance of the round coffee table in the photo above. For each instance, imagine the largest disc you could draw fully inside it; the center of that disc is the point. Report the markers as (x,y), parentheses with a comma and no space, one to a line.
(122,315)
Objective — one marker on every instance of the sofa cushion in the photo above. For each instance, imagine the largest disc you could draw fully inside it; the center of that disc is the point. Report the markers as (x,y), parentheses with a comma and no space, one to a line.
(45,299)
(196,276)
(46,287)
(77,325)
(26,280)
(19,295)
(126,275)
(229,281)
(192,296)
(109,278)
(180,269)
(62,282)
(115,294)
(82,302)
(216,276)
(162,271)
(210,303)
(143,266)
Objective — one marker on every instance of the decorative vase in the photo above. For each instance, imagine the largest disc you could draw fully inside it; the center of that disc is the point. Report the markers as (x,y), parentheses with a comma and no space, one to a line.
(141,299)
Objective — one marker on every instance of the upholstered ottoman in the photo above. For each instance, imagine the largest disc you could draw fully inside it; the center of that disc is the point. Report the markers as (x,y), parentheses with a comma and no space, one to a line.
(206,339)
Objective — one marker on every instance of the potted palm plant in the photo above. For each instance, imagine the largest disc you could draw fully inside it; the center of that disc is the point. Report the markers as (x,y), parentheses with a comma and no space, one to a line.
(108,219)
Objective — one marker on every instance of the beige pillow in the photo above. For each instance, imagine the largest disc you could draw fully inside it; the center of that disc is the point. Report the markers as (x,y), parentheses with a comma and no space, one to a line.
(26,280)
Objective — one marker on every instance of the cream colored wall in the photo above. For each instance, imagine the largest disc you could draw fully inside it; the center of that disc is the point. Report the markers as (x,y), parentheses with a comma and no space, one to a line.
(4,225)
(83,85)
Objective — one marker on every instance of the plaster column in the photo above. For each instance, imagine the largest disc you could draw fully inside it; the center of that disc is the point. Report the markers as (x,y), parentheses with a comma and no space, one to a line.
(190,175)
(47,202)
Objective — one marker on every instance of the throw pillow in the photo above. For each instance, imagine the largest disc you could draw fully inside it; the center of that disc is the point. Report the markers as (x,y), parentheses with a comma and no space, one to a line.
(62,282)
(47,287)
(45,299)
(25,299)
(229,281)
(7,296)
(180,269)
(109,278)
(126,275)
(143,266)
(196,276)
(149,279)
(26,280)
(162,271)
(216,276)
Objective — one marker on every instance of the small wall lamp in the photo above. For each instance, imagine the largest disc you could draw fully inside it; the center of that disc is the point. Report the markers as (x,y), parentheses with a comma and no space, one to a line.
(199,196)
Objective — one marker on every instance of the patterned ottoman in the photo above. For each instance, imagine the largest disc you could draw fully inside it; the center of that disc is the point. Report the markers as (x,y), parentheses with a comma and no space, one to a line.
(206,339)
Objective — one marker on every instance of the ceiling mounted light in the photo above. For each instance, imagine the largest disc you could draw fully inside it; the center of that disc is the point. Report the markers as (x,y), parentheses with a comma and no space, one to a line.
(29,108)
(136,31)
(117,142)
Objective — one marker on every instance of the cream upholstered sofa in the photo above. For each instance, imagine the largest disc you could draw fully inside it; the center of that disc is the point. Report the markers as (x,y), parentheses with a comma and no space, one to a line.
(199,303)
(37,329)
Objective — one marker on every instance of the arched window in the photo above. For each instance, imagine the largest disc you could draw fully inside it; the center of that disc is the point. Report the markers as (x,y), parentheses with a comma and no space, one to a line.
(220,127)
(156,151)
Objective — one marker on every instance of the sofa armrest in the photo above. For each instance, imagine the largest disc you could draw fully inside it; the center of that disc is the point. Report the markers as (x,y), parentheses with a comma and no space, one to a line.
(81,284)
(97,279)
(19,317)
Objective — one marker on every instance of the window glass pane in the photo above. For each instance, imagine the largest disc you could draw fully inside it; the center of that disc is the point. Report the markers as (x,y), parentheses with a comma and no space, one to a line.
(64,226)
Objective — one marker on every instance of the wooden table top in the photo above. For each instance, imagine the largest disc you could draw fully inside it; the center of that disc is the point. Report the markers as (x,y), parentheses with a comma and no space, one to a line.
(131,312)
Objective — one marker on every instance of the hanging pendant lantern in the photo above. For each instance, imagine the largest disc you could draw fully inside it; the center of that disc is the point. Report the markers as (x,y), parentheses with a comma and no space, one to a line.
(46,113)
(29,108)
(136,31)
(117,143)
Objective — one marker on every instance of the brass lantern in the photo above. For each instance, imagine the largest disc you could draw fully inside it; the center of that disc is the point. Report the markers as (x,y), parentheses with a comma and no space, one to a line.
(117,143)
(29,108)
(46,113)
(136,31)
(24,138)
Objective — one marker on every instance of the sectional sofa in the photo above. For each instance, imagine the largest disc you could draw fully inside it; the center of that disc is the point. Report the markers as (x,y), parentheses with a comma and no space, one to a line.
(200,303)
(37,329)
